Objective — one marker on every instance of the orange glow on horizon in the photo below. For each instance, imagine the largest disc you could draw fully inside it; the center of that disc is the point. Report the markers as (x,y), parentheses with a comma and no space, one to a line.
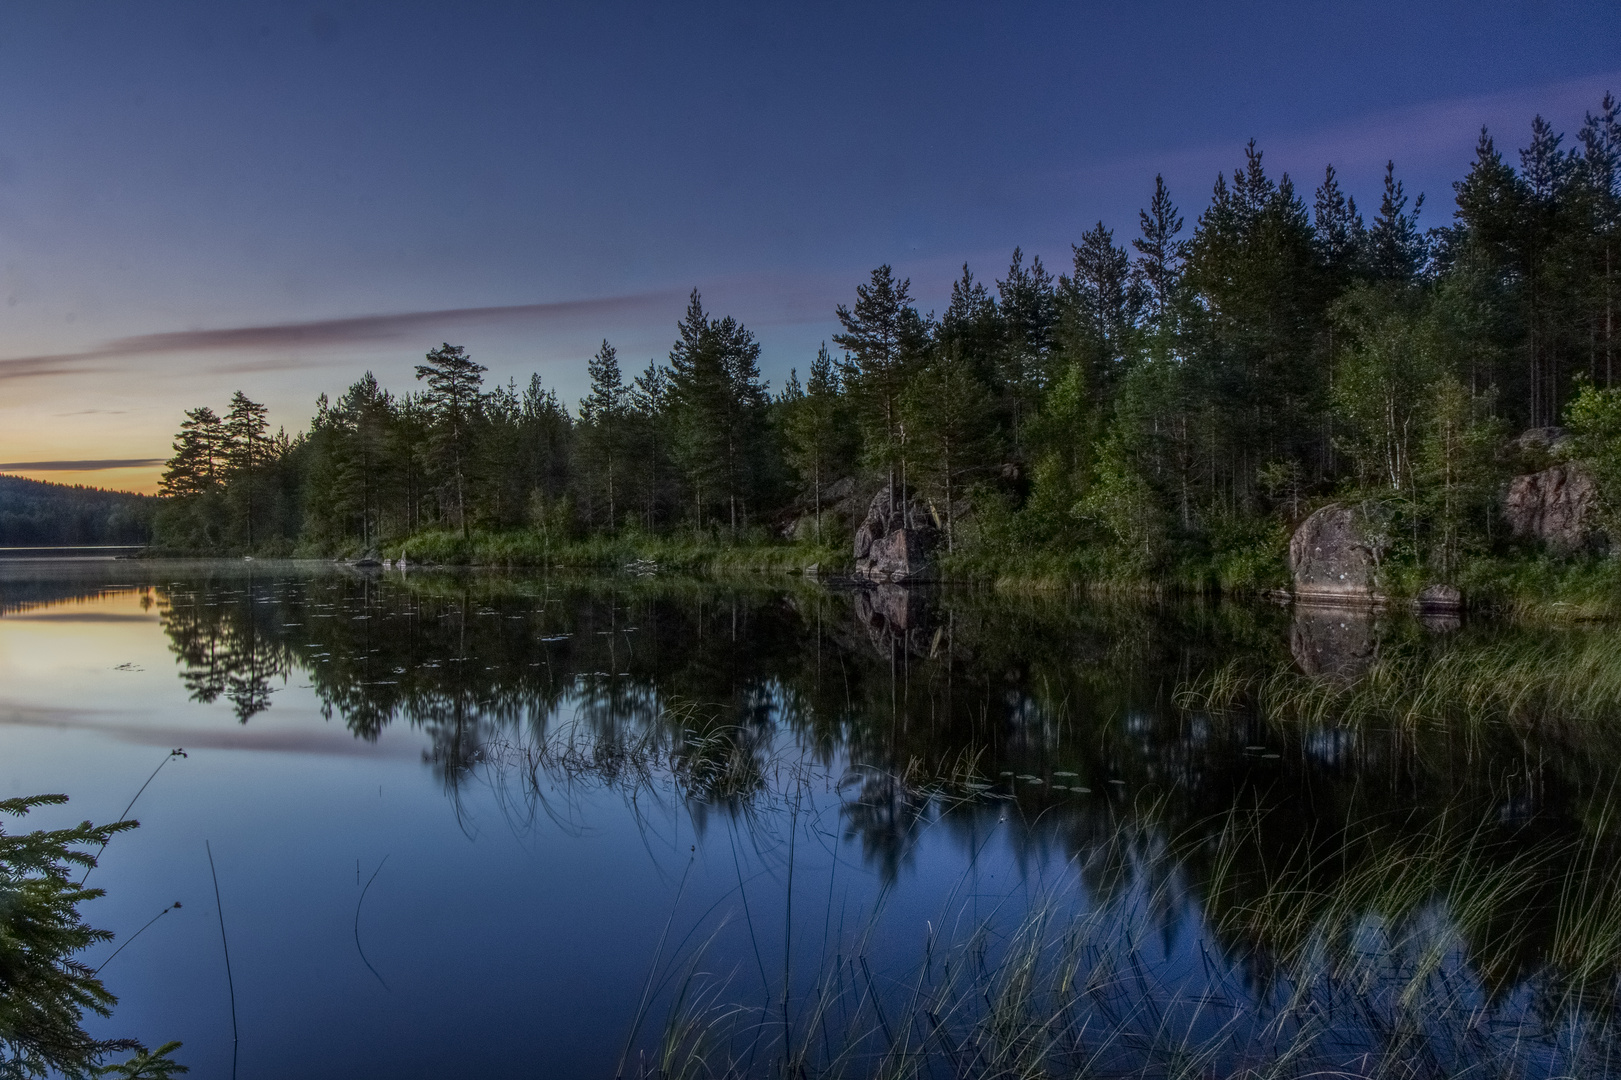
(141,481)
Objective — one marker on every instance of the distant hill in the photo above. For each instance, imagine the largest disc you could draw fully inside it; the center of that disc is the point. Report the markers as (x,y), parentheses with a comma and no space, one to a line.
(36,513)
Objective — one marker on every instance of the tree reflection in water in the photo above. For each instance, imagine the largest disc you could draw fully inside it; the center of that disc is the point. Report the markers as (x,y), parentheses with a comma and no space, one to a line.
(1101,729)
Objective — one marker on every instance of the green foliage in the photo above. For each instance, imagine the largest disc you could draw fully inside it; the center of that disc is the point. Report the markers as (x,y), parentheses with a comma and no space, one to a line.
(946,414)
(145,1065)
(453,401)
(47,990)
(818,436)
(884,339)
(1595,423)
(719,411)
(1159,414)
(603,441)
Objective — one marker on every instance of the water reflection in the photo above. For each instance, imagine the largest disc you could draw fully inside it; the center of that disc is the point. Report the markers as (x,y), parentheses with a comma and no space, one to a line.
(1270,844)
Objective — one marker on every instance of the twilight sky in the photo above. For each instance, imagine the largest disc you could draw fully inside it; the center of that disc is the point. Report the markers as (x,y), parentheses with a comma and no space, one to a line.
(276,197)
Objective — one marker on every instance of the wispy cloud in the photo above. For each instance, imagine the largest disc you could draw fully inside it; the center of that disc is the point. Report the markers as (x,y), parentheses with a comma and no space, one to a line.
(323,334)
(1429,136)
(82,465)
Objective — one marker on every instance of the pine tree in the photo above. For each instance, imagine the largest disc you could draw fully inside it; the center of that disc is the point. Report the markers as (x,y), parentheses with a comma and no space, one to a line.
(603,425)
(947,410)
(817,431)
(1600,184)
(453,399)
(883,339)
(246,452)
(197,466)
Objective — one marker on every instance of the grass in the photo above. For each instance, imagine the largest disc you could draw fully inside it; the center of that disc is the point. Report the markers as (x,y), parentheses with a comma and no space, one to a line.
(1541,588)
(1569,676)
(638,553)
(1415,945)
(1379,974)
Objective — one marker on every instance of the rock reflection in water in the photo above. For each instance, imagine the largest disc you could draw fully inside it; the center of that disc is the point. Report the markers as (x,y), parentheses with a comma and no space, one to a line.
(1334,641)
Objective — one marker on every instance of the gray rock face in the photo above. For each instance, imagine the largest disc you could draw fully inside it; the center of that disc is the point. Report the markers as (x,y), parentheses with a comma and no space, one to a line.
(1535,449)
(1331,558)
(896,540)
(1554,506)
(840,509)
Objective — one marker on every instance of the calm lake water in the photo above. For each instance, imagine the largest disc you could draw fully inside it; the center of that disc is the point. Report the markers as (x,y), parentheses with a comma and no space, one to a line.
(481,824)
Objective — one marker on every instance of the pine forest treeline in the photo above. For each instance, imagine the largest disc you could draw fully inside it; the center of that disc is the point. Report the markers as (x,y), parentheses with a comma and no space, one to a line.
(1172,399)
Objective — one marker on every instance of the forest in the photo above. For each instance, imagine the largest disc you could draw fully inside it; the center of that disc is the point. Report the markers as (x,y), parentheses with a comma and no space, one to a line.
(37,514)
(1163,409)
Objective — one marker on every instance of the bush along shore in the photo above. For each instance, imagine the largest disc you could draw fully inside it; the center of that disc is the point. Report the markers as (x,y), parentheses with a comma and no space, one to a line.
(1437,402)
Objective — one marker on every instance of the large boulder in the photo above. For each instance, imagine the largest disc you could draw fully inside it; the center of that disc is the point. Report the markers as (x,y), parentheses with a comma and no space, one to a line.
(1333,558)
(896,540)
(1554,506)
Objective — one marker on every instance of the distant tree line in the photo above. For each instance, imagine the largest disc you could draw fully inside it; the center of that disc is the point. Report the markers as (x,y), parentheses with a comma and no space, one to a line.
(38,514)
(1171,398)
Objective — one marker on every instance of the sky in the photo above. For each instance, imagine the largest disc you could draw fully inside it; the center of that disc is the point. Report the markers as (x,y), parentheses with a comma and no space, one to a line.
(276,198)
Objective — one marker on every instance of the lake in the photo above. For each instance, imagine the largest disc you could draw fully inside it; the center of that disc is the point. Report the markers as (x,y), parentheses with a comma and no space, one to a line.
(502,825)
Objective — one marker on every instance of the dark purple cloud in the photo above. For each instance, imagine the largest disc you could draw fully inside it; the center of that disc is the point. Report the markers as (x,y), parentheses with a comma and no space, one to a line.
(81,465)
(328,333)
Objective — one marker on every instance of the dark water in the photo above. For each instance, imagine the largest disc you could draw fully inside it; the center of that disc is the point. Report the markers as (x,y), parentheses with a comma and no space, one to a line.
(490,825)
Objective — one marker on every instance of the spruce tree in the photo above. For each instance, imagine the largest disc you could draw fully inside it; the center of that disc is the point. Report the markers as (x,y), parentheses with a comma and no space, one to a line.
(1339,236)
(1159,252)
(1396,250)
(362,419)
(1545,170)
(1028,306)
(1102,300)
(720,410)
(1599,183)
(650,408)
(1252,319)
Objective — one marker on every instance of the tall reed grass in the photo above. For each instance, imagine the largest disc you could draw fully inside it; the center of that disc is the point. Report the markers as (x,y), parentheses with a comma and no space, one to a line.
(1563,676)
(1377,974)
